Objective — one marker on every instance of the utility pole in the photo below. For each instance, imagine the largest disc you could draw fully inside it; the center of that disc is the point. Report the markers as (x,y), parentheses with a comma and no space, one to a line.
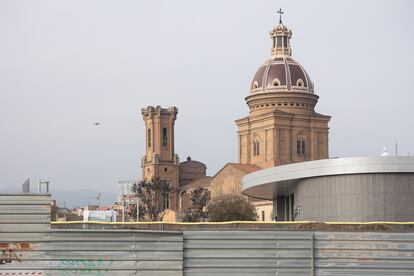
(138,202)
(396,147)
(123,208)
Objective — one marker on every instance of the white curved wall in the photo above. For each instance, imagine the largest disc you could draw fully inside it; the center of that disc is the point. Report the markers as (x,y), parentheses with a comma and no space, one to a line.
(341,189)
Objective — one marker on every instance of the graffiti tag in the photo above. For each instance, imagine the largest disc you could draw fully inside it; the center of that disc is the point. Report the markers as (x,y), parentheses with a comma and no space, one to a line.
(84,267)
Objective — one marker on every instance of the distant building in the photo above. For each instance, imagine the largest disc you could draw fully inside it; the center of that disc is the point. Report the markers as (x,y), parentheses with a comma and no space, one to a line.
(124,191)
(94,213)
(26,186)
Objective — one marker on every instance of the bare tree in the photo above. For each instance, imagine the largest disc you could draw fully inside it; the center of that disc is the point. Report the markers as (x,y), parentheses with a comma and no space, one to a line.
(231,208)
(199,200)
(153,196)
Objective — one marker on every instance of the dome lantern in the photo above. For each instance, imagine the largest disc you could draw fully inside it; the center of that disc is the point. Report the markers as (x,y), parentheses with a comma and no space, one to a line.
(280,36)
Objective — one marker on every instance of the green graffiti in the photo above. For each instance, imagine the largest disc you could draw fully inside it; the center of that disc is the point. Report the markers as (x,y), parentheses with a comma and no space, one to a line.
(84,267)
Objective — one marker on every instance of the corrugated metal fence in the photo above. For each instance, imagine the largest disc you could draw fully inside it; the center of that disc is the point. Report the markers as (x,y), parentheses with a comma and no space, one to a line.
(115,252)
(29,247)
(247,253)
(359,253)
(24,233)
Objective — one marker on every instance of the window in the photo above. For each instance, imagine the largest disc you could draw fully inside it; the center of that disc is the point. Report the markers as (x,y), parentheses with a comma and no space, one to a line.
(274,42)
(255,85)
(285,41)
(290,202)
(164,137)
(301,146)
(279,41)
(149,137)
(263,215)
(166,202)
(275,82)
(300,83)
(256,148)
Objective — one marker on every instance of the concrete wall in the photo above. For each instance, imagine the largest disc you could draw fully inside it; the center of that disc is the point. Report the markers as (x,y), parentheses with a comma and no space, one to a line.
(356,197)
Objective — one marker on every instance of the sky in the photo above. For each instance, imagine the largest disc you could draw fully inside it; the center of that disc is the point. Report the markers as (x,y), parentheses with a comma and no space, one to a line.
(67,64)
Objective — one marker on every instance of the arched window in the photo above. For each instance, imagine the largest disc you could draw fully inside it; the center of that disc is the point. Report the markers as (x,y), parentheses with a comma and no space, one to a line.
(275,83)
(164,137)
(255,85)
(256,148)
(300,83)
(149,137)
(256,144)
(301,145)
(166,201)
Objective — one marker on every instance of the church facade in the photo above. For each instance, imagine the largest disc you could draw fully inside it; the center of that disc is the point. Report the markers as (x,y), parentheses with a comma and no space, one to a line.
(282,127)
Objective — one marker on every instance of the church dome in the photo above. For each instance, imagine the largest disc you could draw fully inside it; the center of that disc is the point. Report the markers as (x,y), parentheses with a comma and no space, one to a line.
(281,74)
(281,83)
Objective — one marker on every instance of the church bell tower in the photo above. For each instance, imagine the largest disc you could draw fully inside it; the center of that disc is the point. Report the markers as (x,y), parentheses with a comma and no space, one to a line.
(160,160)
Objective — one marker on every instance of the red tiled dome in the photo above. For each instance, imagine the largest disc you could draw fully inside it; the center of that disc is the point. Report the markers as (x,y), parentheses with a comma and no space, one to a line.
(281,74)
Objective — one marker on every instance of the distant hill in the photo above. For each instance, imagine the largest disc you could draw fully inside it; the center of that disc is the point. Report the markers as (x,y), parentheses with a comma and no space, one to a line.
(9,190)
(72,198)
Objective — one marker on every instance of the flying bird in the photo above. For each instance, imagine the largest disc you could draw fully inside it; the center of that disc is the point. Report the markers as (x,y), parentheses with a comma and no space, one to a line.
(97,123)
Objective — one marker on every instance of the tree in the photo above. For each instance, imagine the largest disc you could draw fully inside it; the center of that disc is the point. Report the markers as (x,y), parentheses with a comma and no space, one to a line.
(199,200)
(231,208)
(153,199)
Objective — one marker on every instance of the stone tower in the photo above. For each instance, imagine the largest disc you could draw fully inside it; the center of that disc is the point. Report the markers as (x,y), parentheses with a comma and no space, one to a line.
(160,159)
(282,126)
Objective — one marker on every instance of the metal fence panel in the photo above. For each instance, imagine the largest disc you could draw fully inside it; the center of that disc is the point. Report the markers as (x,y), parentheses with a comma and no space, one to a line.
(364,253)
(24,233)
(227,252)
(115,252)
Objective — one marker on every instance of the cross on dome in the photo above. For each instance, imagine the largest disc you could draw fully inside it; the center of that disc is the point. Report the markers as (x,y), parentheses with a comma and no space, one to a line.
(280,12)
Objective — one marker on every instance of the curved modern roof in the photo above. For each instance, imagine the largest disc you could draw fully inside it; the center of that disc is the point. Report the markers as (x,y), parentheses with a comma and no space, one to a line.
(268,183)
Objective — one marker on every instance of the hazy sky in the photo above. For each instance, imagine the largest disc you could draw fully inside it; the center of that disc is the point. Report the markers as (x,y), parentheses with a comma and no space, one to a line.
(67,64)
